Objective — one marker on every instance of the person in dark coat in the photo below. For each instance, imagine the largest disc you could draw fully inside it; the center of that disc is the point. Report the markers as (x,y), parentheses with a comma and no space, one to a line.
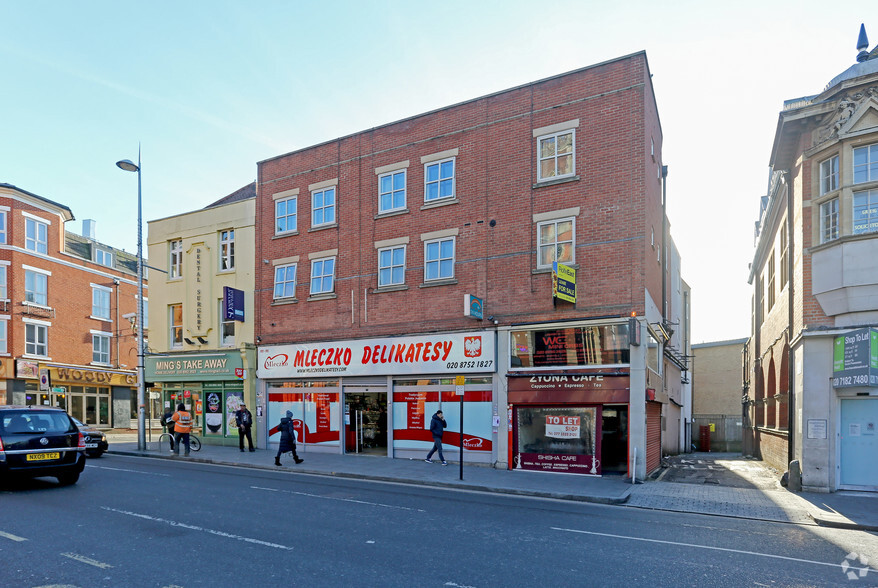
(244,419)
(166,421)
(287,439)
(437,428)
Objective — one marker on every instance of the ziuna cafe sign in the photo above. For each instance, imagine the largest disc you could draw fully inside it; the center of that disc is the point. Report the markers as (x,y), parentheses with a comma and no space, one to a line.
(441,353)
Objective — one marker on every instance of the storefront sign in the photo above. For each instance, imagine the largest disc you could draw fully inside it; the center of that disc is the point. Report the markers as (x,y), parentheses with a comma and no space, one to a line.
(568,388)
(233,304)
(195,366)
(473,307)
(27,369)
(581,345)
(855,359)
(563,282)
(459,352)
(86,376)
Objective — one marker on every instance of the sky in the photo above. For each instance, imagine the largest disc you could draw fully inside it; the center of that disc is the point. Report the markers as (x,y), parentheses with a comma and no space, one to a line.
(208,89)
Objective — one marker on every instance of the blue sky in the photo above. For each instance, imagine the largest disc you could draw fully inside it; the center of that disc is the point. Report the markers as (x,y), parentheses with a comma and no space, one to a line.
(210,88)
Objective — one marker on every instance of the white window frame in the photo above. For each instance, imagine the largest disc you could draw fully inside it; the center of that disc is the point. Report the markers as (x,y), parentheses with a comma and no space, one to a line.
(323,276)
(554,156)
(283,283)
(99,340)
(4,334)
(104,257)
(428,261)
(438,182)
(871,153)
(4,282)
(291,202)
(38,292)
(863,226)
(36,339)
(99,295)
(175,342)
(33,239)
(175,259)
(227,250)
(225,325)
(4,217)
(388,268)
(392,192)
(555,243)
(829,175)
(829,221)
(324,207)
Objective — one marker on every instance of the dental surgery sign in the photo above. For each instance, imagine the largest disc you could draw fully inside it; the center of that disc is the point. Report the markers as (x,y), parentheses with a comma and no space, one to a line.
(855,359)
(563,282)
(428,354)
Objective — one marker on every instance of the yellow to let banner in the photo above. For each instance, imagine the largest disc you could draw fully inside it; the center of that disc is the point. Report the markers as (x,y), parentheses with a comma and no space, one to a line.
(565,283)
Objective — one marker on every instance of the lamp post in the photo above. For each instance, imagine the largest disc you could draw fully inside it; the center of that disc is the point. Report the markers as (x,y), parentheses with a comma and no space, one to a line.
(129,165)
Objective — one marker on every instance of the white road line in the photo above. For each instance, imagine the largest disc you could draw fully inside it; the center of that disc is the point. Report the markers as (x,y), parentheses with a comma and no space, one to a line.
(13,537)
(783,557)
(338,499)
(127,470)
(87,560)
(197,528)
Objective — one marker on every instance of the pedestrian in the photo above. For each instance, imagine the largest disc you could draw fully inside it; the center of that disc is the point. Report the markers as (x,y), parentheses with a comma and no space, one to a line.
(167,422)
(182,425)
(437,428)
(245,421)
(287,439)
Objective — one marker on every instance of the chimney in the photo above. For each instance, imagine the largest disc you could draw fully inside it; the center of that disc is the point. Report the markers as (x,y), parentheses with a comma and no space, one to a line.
(88,228)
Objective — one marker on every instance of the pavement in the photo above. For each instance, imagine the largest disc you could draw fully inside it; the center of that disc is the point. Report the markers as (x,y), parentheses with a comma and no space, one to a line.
(721,484)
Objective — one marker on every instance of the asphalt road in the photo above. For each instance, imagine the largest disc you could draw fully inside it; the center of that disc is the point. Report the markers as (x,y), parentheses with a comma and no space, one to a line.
(144,522)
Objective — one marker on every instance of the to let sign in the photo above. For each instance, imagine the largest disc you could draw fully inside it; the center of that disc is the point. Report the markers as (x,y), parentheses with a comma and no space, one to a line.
(855,359)
(563,282)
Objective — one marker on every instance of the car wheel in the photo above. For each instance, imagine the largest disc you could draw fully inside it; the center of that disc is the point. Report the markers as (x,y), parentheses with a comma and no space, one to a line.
(68,479)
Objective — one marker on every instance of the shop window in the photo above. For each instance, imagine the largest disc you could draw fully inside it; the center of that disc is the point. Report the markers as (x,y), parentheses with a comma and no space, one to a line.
(572,346)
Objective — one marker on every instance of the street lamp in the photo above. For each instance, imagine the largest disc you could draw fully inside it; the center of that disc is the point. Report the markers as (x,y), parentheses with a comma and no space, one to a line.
(129,165)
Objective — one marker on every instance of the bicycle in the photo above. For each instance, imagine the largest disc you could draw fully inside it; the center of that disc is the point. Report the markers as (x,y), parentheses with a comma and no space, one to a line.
(194,441)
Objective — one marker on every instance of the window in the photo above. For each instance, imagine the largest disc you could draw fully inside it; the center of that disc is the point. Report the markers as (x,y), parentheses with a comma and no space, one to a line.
(770,270)
(3,226)
(865,212)
(36,287)
(227,328)
(100,302)
(555,241)
(103,257)
(4,336)
(556,155)
(176,259)
(391,191)
(829,221)
(285,281)
(176,323)
(145,311)
(391,266)
(36,235)
(323,207)
(439,259)
(829,175)
(439,180)
(866,164)
(227,250)
(322,275)
(4,292)
(784,252)
(35,336)
(100,348)
(285,212)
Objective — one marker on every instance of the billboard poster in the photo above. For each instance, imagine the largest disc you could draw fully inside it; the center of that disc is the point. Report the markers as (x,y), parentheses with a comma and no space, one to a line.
(233,304)
(413,410)
(855,359)
(315,415)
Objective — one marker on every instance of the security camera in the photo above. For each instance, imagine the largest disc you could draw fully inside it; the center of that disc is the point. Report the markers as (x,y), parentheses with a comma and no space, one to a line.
(129,315)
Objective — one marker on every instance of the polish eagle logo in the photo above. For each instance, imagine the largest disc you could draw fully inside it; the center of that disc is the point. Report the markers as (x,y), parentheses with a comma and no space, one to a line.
(472,346)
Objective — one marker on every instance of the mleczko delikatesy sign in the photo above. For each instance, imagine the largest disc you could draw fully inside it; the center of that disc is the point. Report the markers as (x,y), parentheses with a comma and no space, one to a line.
(855,359)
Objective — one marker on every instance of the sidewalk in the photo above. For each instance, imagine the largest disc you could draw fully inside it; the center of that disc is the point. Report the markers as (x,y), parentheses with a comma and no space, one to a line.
(850,510)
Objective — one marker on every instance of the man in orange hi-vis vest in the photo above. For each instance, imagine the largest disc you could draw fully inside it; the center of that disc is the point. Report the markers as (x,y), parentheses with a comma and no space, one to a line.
(182,426)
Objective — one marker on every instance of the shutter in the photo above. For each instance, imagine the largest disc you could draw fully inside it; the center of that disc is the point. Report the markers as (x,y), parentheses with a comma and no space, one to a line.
(653,436)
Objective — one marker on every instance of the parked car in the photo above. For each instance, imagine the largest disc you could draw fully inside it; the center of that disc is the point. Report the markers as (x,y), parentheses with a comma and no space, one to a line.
(38,441)
(95,439)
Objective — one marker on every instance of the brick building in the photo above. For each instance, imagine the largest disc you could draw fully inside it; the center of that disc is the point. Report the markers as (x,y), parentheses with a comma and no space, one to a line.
(716,394)
(399,265)
(65,337)
(812,381)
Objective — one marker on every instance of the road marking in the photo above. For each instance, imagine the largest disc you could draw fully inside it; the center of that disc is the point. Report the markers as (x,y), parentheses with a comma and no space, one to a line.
(87,560)
(127,470)
(339,499)
(13,537)
(197,528)
(783,557)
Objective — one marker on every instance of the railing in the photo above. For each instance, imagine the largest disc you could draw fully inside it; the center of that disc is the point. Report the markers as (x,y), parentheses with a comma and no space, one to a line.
(38,310)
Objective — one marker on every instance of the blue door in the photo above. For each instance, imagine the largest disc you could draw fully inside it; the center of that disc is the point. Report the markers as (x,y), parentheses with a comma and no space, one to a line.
(859,442)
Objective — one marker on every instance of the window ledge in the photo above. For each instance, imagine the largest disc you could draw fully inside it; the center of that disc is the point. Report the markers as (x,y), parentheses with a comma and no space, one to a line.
(100,364)
(32,356)
(285,234)
(554,182)
(445,282)
(392,213)
(282,301)
(394,288)
(316,297)
(223,272)
(772,430)
(548,270)
(323,227)
(102,319)
(442,202)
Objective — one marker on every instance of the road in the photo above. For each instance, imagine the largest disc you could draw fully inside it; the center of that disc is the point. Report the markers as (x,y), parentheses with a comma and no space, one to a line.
(145,522)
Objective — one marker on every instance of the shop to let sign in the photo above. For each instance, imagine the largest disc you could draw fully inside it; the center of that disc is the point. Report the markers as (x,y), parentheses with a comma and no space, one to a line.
(563,282)
(562,427)
(855,359)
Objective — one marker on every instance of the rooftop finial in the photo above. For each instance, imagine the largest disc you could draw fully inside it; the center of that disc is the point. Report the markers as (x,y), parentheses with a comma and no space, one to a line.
(862,45)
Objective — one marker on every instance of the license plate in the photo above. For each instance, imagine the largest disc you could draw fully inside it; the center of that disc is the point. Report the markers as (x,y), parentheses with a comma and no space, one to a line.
(43,456)
(91,445)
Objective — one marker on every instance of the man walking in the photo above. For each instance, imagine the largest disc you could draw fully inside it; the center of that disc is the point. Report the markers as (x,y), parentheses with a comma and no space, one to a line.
(437,428)
(245,422)
(182,425)
(287,439)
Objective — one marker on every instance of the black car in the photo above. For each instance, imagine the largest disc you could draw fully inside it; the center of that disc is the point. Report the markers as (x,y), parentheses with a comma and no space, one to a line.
(95,439)
(38,441)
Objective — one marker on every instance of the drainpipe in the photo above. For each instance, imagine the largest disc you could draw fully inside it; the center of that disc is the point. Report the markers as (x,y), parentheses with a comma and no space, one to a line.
(790,367)
(664,242)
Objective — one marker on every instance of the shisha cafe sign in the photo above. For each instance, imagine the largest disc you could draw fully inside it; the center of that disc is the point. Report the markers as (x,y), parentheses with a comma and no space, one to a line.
(440,353)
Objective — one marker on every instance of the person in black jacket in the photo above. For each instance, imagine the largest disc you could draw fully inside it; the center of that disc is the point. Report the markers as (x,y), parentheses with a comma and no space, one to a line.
(166,421)
(437,428)
(287,439)
(244,419)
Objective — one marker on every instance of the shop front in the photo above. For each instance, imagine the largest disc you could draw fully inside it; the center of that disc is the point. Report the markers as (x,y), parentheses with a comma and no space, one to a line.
(377,396)
(211,385)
